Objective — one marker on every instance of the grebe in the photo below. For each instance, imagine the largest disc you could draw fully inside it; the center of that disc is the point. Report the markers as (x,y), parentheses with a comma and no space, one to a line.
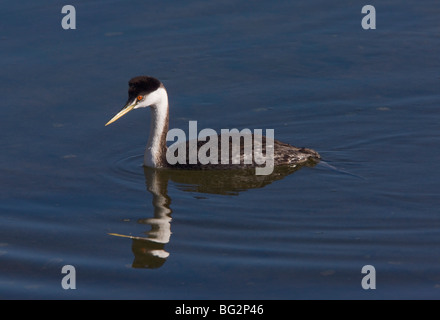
(147,91)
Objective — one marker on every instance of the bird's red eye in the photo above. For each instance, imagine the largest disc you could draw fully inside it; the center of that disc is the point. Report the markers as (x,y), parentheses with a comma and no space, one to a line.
(139,98)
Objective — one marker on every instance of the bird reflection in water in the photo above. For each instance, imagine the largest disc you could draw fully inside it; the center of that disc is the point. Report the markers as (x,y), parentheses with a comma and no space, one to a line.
(149,250)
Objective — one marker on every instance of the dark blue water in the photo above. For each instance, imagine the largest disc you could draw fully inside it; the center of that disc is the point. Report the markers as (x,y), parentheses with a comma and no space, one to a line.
(366,100)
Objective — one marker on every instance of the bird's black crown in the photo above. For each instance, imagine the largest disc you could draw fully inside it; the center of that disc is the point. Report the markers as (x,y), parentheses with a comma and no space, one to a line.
(142,85)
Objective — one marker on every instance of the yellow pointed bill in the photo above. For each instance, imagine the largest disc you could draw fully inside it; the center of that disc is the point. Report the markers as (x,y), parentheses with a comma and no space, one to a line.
(124,111)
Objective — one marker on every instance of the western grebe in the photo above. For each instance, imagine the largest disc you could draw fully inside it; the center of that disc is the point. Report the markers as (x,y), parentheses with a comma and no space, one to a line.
(147,91)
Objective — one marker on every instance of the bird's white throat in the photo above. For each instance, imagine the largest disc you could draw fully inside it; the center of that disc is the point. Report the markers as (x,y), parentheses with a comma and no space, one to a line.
(156,145)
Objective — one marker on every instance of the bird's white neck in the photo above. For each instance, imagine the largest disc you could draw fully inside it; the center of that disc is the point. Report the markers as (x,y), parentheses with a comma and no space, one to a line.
(155,152)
